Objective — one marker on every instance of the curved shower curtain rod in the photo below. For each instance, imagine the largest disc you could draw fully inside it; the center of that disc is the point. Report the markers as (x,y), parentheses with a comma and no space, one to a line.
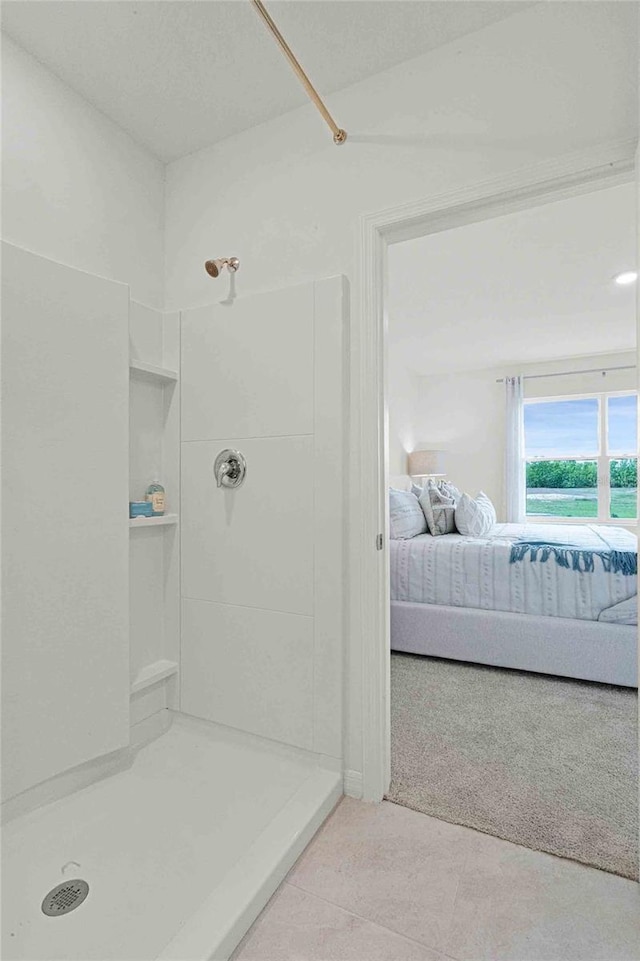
(339,135)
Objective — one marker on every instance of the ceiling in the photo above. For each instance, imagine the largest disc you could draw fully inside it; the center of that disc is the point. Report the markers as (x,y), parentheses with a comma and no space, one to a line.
(530,286)
(179,75)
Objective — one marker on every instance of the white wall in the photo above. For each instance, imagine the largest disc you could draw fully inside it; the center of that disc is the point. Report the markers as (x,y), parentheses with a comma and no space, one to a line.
(547,81)
(79,191)
(404,399)
(543,82)
(76,188)
(65,643)
(464,413)
(263,565)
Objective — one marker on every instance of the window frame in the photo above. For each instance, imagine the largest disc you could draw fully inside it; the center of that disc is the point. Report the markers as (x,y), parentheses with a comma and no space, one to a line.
(603,459)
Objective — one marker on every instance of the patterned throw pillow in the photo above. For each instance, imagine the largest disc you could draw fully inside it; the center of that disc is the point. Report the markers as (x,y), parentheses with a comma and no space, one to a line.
(438,502)
(475,517)
(446,487)
(405,515)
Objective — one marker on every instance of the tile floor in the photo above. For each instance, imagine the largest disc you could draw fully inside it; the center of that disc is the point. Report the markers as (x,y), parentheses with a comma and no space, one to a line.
(383,883)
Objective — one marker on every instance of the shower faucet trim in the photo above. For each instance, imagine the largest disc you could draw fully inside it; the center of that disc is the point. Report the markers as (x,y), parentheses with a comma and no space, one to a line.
(230,468)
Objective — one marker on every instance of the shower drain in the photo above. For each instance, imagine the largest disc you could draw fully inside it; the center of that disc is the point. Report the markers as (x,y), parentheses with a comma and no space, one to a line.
(65,897)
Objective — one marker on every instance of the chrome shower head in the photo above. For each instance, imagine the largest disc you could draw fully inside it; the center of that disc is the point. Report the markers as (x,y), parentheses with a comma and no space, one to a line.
(213,267)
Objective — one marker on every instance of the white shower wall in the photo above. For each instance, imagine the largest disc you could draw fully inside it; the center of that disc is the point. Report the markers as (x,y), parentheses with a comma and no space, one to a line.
(77,189)
(65,651)
(263,565)
(98,208)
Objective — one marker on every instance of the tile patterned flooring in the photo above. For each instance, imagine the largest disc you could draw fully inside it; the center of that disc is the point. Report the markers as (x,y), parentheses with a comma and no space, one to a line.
(383,883)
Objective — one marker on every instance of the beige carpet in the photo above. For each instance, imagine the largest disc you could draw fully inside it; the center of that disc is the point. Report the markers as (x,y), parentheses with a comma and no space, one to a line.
(546,762)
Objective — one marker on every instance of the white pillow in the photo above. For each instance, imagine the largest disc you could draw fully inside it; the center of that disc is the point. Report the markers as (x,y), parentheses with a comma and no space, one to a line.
(438,502)
(475,517)
(405,515)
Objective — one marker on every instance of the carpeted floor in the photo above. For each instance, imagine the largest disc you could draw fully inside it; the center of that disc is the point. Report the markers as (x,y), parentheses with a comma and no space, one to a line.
(549,763)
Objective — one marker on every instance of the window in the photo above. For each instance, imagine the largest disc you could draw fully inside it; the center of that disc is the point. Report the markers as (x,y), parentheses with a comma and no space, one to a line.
(581,457)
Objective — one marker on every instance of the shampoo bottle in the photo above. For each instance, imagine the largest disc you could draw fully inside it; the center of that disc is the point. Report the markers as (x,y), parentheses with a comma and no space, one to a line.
(155,494)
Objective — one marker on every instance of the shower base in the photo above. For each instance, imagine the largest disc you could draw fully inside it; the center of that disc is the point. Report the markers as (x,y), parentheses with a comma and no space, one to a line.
(181,851)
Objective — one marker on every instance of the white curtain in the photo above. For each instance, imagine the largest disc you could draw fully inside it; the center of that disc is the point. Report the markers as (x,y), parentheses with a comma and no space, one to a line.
(515,464)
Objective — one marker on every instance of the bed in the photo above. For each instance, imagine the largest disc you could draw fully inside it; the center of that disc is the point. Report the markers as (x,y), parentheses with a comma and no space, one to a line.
(493,600)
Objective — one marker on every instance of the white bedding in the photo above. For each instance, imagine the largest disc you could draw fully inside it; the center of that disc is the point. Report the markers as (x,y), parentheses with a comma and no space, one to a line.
(459,571)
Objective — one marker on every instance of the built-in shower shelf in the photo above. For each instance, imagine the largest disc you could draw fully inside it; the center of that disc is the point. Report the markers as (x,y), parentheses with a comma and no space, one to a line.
(152,674)
(164,374)
(164,521)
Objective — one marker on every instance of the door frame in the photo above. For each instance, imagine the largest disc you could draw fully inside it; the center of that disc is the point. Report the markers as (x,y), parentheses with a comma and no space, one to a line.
(562,178)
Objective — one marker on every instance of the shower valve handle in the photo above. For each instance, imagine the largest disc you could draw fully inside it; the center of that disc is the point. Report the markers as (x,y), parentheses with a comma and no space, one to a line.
(223,471)
(230,468)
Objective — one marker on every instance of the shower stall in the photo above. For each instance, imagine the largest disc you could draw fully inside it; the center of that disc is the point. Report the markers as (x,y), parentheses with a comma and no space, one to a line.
(172,686)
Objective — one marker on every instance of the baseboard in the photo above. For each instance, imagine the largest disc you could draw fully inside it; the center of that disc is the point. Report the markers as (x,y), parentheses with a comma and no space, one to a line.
(353,784)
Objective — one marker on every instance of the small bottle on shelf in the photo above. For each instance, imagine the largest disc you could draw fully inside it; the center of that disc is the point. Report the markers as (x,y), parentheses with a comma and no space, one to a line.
(155,494)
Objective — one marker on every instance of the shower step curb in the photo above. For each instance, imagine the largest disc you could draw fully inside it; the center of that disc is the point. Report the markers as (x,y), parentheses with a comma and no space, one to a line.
(219,925)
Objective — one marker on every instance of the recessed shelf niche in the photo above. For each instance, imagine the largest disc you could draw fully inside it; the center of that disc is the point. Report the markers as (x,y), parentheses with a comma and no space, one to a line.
(154,558)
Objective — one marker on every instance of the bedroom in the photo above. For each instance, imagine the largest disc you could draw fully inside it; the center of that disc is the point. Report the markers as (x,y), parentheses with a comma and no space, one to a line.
(512,372)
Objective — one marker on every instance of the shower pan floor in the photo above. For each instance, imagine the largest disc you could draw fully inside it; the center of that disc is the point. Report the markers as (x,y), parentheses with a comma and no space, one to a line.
(180,851)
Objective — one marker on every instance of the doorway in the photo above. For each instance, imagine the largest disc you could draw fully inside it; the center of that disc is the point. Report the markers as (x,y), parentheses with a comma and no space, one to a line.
(565,179)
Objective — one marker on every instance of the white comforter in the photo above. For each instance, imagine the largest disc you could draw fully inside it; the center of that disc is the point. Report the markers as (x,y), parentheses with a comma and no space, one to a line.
(459,571)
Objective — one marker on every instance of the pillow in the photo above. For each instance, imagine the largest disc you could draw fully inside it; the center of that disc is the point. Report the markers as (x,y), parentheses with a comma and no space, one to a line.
(405,515)
(450,490)
(438,502)
(475,518)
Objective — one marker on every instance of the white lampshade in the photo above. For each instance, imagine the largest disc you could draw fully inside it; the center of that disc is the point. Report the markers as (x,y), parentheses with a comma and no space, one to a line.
(427,463)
